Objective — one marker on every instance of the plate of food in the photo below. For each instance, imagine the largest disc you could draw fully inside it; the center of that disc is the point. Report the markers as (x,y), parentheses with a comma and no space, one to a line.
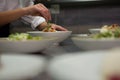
(21,66)
(24,43)
(50,32)
(104,28)
(89,65)
(104,40)
(78,66)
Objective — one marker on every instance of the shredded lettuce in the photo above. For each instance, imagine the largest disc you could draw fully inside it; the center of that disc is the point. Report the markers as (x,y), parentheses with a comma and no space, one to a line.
(108,34)
(23,37)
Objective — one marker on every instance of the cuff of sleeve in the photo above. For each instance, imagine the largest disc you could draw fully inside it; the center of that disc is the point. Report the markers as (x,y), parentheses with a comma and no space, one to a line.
(37,21)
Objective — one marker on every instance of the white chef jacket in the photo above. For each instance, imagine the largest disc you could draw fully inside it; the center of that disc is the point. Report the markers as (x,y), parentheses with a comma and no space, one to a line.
(13,4)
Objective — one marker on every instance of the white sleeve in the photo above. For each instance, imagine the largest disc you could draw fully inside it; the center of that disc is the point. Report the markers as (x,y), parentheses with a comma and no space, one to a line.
(33,20)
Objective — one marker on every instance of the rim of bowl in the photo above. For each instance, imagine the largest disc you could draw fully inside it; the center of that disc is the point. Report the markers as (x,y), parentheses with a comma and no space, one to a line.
(47,32)
(91,39)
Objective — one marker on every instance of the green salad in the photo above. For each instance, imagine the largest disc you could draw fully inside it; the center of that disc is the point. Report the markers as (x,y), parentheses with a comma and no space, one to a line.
(23,37)
(108,34)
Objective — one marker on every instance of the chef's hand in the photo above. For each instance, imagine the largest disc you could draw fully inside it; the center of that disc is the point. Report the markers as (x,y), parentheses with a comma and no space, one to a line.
(39,10)
(58,27)
(55,26)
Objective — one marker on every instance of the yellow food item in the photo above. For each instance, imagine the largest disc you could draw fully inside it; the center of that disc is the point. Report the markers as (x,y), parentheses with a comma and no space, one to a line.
(48,28)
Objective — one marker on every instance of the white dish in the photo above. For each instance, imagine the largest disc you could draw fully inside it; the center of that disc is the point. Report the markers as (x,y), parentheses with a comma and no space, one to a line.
(94,30)
(21,67)
(80,35)
(88,43)
(25,46)
(59,35)
(77,66)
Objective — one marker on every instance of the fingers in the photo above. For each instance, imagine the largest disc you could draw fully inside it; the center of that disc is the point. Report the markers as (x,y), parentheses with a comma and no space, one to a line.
(60,28)
(44,12)
(48,12)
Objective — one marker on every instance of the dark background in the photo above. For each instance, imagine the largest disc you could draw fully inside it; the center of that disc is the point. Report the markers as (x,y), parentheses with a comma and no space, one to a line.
(79,16)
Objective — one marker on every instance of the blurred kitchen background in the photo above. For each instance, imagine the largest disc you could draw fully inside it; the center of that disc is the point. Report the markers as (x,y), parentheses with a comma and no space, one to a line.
(80,15)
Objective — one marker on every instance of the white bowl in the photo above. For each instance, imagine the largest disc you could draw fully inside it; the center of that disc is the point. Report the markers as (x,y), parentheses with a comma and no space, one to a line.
(77,66)
(21,67)
(59,35)
(85,43)
(28,46)
(94,30)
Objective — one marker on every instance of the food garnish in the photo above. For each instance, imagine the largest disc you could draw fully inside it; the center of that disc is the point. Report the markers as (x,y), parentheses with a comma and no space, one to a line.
(49,28)
(23,37)
(112,31)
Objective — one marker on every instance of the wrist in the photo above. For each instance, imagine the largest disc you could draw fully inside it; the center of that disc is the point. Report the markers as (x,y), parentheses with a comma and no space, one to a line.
(27,11)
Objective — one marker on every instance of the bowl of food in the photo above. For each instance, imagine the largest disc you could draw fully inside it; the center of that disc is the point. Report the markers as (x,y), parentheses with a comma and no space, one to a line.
(77,66)
(95,44)
(103,40)
(50,32)
(24,43)
(21,66)
(104,28)
(58,35)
